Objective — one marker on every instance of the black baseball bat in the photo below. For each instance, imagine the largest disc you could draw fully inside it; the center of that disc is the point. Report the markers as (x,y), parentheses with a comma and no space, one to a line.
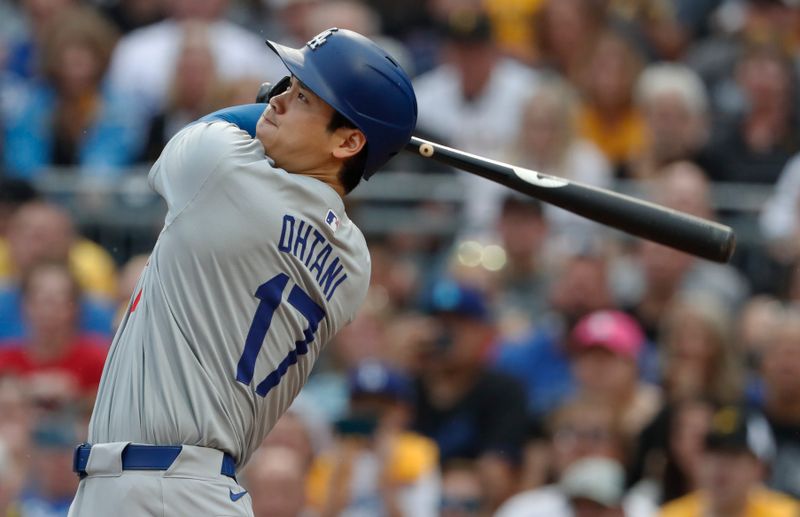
(685,232)
(682,231)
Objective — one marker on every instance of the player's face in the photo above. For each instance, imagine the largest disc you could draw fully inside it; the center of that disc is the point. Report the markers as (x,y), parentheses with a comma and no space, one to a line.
(294,131)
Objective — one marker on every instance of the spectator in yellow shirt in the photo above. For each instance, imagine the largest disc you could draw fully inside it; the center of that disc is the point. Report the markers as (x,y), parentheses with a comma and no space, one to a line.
(609,118)
(376,466)
(39,230)
(738,451)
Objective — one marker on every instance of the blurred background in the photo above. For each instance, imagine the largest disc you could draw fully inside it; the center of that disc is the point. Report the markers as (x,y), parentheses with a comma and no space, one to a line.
(511,359)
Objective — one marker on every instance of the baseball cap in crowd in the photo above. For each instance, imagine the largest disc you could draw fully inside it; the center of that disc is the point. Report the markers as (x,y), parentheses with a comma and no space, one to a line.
(379,379)
(451,297)
(601,480)
(466,26)
(734,428)
(613,330)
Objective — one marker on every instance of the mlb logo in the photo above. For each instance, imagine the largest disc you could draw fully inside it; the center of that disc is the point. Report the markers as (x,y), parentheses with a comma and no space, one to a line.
(332,221)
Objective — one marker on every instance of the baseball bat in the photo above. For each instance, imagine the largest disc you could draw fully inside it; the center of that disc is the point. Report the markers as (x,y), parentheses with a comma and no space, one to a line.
(650,221)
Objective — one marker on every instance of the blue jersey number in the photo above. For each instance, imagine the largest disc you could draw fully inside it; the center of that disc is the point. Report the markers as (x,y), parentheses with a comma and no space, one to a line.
(271,293)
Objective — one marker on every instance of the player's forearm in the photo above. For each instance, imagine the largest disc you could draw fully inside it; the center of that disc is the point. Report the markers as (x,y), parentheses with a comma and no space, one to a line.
(245,116)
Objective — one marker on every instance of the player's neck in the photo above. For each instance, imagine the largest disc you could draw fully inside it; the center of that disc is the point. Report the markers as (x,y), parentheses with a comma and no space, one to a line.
(329,176)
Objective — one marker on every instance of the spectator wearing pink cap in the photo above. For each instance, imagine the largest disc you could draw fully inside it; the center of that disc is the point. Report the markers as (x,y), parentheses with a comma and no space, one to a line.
(605,347)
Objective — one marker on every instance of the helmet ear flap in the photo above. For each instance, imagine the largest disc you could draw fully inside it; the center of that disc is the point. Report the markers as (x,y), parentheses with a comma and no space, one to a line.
(268,90)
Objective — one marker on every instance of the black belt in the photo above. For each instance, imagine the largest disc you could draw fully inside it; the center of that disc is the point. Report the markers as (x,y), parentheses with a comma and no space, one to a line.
(146,457)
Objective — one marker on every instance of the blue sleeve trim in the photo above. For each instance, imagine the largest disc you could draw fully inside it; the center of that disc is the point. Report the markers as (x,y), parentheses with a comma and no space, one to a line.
(245,116)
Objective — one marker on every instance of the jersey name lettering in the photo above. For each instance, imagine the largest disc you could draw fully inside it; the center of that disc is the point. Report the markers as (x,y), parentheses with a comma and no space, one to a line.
(302,240)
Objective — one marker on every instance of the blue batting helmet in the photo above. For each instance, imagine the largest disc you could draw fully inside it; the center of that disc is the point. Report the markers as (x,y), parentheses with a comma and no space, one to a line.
(363,83)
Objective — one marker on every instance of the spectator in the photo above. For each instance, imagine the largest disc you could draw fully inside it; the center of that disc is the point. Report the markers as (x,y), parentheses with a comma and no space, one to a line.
(738,451)
(522,282)
(462,491)
(301,429)
(755,329)
(685,187)
(361,18)
(700,366)
(514,26)
(376,466)
(674,103)
(595,488)
(655,22)
(395,271)
(540,359)
(757,146)
(144,60)
(275,478)
(195,89)
(780,214)
(72,118)
(579,429)
(566,31)
(60,362)
(15,436)
(14,193)
(291,20)
(41,231)
(606,348)
(23,59)
(363,339)
(469,410)
(549,142)
(536,457)
(239,91)
(50,488)
(609,117)
(473,100)
(669,455)
(700,359)
(16,426)
(736,28)
(780,370)
(8,482)
(661,273)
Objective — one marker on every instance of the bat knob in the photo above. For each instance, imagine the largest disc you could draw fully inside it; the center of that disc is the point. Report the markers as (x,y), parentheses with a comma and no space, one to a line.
(263,92)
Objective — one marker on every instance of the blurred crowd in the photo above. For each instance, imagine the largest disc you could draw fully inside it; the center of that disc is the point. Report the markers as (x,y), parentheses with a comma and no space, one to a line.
(531,363)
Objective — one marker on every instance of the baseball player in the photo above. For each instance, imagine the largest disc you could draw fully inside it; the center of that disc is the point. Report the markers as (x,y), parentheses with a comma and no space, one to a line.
(256,268)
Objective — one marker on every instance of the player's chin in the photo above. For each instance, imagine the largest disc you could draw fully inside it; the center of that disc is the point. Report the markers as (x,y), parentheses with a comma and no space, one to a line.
(265,132)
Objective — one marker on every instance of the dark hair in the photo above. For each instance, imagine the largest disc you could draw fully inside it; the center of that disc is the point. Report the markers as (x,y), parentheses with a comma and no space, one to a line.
(353,167)
(16,191)
(518,204)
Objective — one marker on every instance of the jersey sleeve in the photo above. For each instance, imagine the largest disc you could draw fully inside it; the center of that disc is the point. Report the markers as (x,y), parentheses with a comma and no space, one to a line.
(191,158)
(244,117)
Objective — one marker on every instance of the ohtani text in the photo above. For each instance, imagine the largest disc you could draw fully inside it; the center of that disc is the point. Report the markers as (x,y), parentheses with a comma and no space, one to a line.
(307,244)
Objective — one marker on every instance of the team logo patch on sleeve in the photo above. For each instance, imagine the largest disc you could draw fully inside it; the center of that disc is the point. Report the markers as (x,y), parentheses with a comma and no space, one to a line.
(332,220)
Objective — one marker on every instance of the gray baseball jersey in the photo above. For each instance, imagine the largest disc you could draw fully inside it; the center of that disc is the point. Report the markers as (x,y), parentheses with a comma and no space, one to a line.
(254,271)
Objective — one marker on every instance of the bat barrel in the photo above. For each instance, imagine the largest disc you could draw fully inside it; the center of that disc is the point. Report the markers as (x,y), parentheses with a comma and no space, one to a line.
(682,231)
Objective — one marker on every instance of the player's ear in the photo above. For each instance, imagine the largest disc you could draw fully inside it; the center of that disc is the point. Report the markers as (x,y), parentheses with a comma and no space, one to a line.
(350,142)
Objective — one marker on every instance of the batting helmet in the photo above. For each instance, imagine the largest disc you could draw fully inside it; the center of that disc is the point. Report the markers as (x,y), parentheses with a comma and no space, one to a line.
(363,83)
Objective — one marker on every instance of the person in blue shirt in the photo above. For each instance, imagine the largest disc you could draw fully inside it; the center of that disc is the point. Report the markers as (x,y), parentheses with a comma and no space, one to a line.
(71,117)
